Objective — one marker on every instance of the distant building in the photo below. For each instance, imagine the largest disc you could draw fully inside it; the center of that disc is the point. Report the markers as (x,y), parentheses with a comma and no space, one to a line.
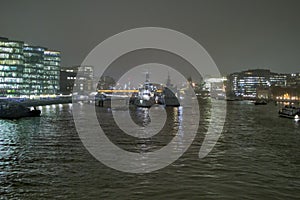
(263,93)
(106,83)
(68,77)
(278,79)
(293,79)
(247,83)
(52,67)
(27,70)
(216,87)
(289,93)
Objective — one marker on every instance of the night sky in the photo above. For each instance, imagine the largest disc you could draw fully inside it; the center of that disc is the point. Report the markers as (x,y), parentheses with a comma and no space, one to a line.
(238,34)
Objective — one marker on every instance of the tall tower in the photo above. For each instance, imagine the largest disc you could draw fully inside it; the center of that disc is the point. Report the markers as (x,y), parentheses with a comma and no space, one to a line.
(168,84)
(147,77)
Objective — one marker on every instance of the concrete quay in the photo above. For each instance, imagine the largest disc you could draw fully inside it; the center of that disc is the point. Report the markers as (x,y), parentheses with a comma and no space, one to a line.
(37,102)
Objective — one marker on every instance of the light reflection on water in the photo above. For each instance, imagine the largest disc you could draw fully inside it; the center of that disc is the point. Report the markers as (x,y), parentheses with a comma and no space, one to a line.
(257,156)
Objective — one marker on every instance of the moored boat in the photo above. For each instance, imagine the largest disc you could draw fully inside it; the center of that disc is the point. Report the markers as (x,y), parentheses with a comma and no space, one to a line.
(234,98)
(289,112)
(16,111)
(145,96)
(260,102)
(170,99)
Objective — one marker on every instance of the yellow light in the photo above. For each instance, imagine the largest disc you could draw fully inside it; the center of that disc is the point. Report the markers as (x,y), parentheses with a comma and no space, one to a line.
(286,96)
(113,91)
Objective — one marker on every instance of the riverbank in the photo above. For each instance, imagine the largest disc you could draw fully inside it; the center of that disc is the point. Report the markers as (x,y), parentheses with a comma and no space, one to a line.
(38,102)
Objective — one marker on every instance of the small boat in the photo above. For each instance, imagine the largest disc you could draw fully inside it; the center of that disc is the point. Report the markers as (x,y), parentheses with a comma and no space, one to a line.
(16,111)
(290,112)
(260,102)
(234,98)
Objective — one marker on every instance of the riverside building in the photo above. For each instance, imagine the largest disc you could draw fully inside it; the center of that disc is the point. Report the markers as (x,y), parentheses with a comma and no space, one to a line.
(26,70)
(247,83)
(68,77)
(293,79)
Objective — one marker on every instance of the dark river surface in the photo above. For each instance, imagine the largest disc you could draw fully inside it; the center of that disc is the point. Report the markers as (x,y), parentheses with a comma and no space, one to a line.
(256,157)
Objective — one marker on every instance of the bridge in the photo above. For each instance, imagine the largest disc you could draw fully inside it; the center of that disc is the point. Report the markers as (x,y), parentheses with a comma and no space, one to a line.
(123,91)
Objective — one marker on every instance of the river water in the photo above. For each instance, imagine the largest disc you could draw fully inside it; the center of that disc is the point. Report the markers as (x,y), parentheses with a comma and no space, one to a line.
(256,157)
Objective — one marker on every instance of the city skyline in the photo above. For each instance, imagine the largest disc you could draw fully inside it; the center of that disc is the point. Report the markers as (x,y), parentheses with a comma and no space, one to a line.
(140,99)
(238,36)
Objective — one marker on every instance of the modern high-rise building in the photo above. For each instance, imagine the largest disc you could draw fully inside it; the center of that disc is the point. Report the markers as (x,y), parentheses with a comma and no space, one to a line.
(216,87)
(27,70)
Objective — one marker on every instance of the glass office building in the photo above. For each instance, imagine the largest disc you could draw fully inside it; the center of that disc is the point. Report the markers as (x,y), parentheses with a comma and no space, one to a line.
(33,73)
(51,72)
(252,79)
(247,82)
(27,70)
(11,67)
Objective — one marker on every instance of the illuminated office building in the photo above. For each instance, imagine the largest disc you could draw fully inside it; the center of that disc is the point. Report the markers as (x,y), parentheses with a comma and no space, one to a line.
(27,70)
(247,82)
(278,79)
(11,67)
(33,73)
(51,72)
